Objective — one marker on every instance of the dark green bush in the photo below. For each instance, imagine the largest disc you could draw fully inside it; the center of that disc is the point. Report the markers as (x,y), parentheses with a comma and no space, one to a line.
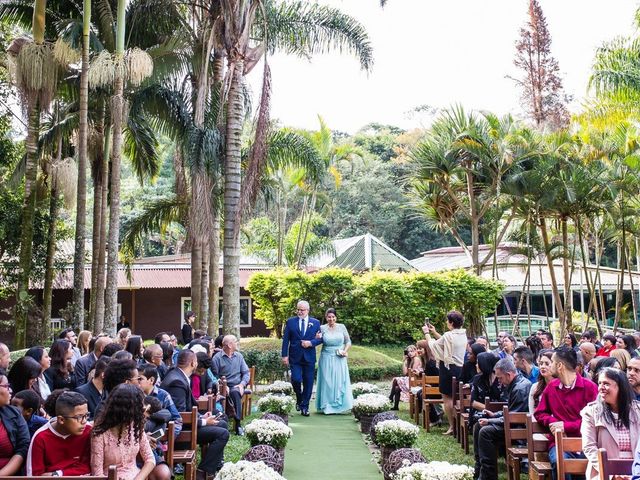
(268,363)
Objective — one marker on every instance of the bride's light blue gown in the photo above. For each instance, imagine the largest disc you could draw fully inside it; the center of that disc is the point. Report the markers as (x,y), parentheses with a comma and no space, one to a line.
(333,391)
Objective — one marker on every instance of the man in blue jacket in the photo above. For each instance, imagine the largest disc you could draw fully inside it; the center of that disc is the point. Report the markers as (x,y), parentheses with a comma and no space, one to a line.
(299,353)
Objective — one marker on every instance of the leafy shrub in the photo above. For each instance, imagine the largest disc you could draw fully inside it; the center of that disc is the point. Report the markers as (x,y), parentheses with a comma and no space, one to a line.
(268,363)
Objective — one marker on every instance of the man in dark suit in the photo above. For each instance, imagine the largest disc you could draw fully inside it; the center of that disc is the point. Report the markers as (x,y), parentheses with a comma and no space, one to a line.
(212,431)
(299,353)
(87,362)
(94,390)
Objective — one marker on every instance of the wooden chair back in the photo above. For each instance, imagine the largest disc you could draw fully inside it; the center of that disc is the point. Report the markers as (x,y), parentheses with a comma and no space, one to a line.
(455,385)
(464,396)
(415,380)
(608,467)
(246,398)
(111,475)
(536,443)
(493,406)
(189,432)
(564,444)
(515,426)
(430,386)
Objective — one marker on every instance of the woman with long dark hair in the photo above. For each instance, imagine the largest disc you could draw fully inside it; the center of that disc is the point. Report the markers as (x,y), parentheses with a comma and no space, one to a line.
(545,376)
(24,374)
(470,367)
(40,355)
(535,344)
(136,348)
(118,437)
(14,432)
(628,343)
(60,374)
(612,421)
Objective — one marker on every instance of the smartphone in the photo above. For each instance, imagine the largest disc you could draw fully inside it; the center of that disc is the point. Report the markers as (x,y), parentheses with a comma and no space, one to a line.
(157,434)
(426,322)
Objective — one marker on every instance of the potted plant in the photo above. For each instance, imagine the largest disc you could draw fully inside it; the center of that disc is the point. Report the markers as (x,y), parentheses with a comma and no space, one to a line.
(268,432)
(366,406)
(359,388)
(279,388)
(277,404)
(434,471)
(245,470)
(393,434)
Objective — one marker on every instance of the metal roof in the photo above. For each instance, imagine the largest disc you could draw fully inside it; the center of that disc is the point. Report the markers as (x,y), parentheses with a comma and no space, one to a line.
(365,252)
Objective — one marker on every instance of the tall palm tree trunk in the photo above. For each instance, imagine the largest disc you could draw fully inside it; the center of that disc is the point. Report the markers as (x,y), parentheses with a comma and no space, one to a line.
(196,277)
(214,280)
(47,294)
(567,326)
(554,283)
(117,109)
(81,198)
(102,243)
(26,237)
(232,179)
(204,284)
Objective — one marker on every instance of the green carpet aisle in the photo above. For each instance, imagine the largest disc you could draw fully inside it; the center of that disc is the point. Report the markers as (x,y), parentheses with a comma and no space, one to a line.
(327,447)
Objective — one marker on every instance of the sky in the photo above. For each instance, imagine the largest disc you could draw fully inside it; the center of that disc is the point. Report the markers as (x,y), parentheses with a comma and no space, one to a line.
(438,53)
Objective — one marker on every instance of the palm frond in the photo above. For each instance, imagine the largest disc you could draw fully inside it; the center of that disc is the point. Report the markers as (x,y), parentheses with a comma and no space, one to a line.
(140,146)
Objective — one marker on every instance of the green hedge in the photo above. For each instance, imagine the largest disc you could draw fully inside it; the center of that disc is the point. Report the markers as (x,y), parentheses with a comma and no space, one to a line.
(377,307)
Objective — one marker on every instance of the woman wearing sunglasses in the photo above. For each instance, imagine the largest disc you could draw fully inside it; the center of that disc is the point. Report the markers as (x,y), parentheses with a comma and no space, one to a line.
(14,433)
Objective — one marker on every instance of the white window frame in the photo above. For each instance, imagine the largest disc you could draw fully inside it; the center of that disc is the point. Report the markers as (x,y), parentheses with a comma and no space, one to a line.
(249,323)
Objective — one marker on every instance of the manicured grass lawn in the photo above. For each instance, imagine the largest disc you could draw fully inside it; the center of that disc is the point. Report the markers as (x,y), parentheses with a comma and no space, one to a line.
(394,351)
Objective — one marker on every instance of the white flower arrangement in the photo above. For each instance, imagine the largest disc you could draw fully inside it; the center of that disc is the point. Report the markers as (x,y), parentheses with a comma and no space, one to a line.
(278,404)
(279,387)
(268,432)
(396,433)
(359,388)
(370,404)
(244,470)
(434,471)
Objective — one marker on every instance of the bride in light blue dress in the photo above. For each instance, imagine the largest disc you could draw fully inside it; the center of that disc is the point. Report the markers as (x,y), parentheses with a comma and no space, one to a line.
(333,391)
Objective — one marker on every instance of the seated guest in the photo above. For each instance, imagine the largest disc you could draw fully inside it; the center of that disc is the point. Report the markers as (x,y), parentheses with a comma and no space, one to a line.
(61,373)
(563,400)
(230,364)
(211,431)
(120,371)
(162,337)
(623,358)
(524,361)
(488,433)
(111,349)
(591,337)
(534,344)
(600,363)
(153,356)
(201,382)
(545,376)
(24,374)
(122,355)
(546,338)
(430,369)
(608,345)
(5,357)
(633,375)
(611,422)
(122,336)
(70,336)
(84,342)
(94,390)
(88,362)
(49,406)
(588,351)
(484,385)
(217,343)
(156,418)
(469,368)
(40,355)
(509,344)
(148,384)
(14,433)
(135,347)
(570,341)
(412,364)
(62,446)
(118,437)
(28,402)
(628,343)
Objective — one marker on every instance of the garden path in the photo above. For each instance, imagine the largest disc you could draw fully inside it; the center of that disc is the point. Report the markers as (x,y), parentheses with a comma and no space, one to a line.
(327,447)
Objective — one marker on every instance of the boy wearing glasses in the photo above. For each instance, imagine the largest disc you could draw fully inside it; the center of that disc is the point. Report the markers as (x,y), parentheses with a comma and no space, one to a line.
(67,439)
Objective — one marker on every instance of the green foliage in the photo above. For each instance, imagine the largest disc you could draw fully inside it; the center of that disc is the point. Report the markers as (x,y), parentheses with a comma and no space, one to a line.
(268,364)
(376,307)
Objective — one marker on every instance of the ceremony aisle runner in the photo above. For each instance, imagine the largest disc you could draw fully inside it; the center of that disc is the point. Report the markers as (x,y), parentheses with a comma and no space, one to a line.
(327,447)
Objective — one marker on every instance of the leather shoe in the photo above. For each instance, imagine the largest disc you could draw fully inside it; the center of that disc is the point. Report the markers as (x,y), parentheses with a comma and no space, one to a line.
(305,412)
(297,407)
(240,432)
(201,475)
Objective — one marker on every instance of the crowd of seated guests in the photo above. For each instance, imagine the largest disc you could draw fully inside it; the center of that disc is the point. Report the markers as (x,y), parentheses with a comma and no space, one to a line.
(62,413)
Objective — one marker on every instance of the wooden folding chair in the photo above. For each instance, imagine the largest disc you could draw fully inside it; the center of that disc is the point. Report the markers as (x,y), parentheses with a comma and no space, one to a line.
(246,398)
(515,430)
(493,406)
(537,443)
(431,389)
(112,475)
(188,435)
(415,380)
(576,466)
(464,402)
(608,467)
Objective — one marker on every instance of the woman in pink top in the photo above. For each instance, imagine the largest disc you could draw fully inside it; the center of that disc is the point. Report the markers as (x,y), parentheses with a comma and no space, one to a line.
(118,438)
